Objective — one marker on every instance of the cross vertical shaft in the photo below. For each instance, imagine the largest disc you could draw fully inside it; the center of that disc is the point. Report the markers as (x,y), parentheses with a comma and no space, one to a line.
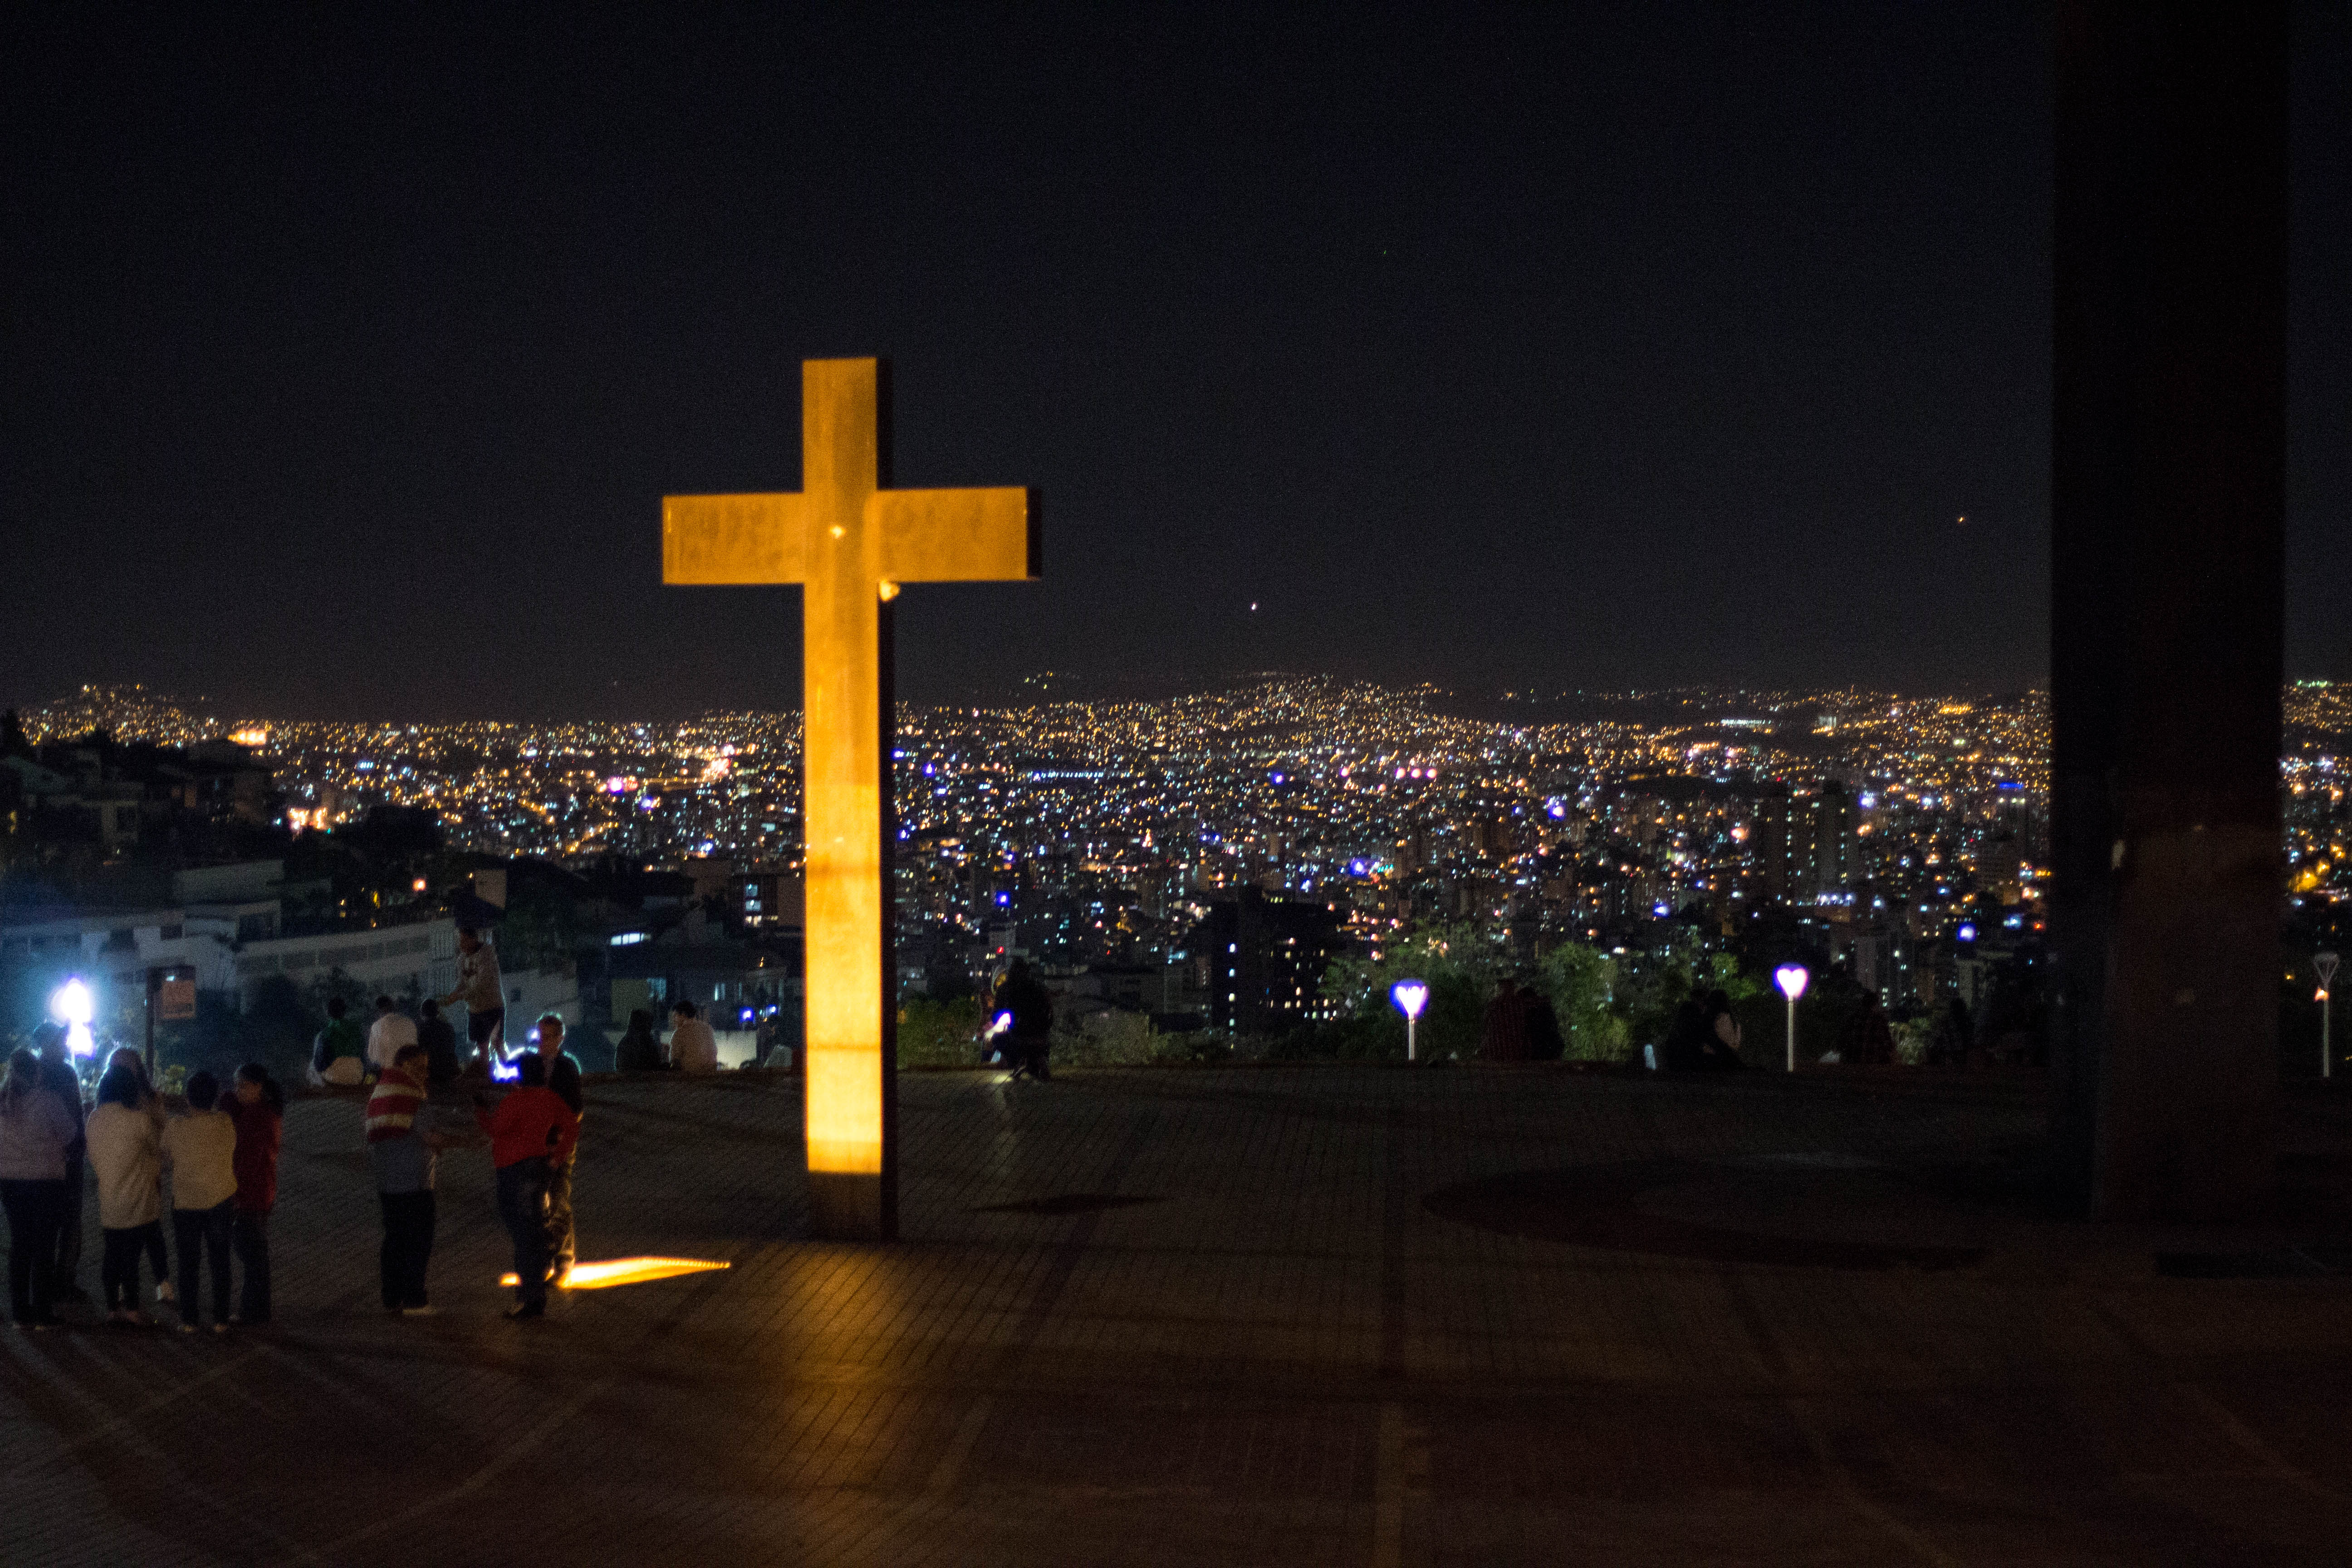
(847,807)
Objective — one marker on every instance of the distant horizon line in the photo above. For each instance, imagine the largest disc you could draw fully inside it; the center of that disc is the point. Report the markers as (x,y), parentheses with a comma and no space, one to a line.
(206,707)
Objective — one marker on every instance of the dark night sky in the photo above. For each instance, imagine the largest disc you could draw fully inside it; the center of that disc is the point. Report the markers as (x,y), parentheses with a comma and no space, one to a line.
(346,361)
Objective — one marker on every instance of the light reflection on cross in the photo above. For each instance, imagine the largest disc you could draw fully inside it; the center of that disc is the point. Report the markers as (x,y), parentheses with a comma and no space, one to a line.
(849,541)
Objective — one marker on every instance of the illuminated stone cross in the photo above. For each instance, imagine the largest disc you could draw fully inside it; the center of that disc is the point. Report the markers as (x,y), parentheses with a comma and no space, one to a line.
(849,541)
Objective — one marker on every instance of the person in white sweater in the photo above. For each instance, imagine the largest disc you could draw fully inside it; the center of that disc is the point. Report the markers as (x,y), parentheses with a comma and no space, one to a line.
(692,1046)
(482,989)
(199,1148)
(392,1030)
(126,1155)
(127,1058)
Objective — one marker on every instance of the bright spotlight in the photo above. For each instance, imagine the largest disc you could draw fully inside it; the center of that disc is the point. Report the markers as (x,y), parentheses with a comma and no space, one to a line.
(72,1002)
(73,1005)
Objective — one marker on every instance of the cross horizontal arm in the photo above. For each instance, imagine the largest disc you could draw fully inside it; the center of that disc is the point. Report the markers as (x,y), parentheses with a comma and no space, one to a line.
(732,538)
(958,536)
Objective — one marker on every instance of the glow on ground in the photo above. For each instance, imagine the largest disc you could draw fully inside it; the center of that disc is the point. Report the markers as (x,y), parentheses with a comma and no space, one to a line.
(612,1271)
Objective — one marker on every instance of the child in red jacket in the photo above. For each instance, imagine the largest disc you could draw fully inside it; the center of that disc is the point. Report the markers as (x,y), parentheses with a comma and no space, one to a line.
(530,1131)
(258,1109)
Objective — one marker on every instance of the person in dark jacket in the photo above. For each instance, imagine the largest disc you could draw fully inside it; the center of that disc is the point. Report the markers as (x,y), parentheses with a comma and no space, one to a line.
(1719,1035)
(1683,1048)
(563,1082)
(59,1078)
(1869,1040)
(1031,1034)
(258,1107)
(530,1131)
(439,1038)
(1545,1043)
(1502,1033)
(639,1050)
(1954,1033)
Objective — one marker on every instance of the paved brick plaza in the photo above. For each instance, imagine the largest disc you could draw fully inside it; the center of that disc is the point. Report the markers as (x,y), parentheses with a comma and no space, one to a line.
(1311,1315)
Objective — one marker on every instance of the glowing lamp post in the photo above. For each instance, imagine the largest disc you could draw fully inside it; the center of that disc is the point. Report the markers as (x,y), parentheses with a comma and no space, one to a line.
(1791,978)
(2326,963)
(1410,996)
(73,1005)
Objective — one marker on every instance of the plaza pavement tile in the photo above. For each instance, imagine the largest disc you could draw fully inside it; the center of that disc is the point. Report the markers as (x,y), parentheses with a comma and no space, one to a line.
(1313,1315)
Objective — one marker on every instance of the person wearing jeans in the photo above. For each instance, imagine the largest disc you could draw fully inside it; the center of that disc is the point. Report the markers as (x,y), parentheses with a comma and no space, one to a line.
(563,1082)
(126,1155)
(34,1133)
(401,1147)
(59,1078)
(522,1208)
(531,1131)
(199,1148)
(258,1108)
(248,1238)
(36,1210)
(205,1234)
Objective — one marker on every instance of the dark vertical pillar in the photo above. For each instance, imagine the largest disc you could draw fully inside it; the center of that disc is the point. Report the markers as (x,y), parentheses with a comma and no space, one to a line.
(887,1220)
(2167,614)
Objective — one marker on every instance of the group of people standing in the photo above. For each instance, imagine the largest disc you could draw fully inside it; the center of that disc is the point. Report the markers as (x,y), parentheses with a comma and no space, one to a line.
(221,1150)
(533,1133)
(220,1147)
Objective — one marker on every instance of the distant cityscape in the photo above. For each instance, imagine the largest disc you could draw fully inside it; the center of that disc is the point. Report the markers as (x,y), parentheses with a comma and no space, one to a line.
(1898,838)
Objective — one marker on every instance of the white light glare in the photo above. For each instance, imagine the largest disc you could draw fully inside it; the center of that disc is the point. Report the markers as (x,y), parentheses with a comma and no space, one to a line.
(73,1005)
(1410,996)
(1791,978)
